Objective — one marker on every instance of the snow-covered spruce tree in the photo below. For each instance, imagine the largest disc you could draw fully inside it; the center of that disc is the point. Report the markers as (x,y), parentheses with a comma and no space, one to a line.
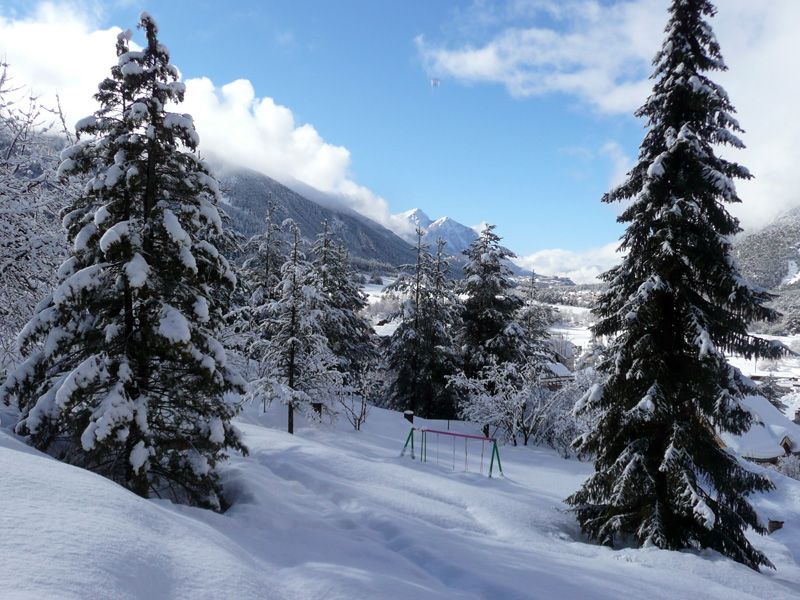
(123,373)
(674,308)
(489,328)
(300,367)
(534,316)
(422,355)
(260,275)
(506,339)
(443,322)
(266,253)
(349,334)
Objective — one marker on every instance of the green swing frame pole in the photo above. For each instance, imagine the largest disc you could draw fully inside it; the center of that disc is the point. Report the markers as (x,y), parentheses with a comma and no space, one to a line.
(409,439)
(423,449)
(495,453)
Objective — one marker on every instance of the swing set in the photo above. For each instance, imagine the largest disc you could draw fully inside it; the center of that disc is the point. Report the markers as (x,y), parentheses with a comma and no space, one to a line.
(425,433)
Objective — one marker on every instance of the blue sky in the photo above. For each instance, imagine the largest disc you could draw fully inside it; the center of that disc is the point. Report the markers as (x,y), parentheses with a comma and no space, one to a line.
(352,69)
(531,124)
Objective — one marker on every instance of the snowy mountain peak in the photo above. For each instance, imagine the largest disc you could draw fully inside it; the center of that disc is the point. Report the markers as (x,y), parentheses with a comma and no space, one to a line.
(416,216)
(457,236)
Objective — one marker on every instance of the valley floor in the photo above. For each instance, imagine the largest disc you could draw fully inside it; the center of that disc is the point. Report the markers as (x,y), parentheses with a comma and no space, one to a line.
(334,513)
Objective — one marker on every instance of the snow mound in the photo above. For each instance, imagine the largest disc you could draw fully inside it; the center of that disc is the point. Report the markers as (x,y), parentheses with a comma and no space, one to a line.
(68,533)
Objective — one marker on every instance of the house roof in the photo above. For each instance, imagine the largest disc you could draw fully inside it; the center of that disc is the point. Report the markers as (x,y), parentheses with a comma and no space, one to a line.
(769,430)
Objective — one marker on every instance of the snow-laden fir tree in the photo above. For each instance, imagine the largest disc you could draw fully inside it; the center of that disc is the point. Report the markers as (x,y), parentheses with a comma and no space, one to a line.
(422,354)
(266,253)
(259,276)
(349,334)
(510,392)
(123,374)
(443,322)
(490,330)
(675,308)
(534,316)
(300,368)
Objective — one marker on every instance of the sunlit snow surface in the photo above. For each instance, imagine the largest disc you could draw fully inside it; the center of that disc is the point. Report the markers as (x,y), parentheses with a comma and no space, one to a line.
(333,513)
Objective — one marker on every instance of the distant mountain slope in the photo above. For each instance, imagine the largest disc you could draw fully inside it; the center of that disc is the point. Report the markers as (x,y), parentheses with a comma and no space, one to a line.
(246,193)
(770,257)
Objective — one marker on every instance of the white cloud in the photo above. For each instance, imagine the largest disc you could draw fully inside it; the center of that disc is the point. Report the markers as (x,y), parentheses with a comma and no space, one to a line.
(59,49)
(621,163)
(580,266)
(600,53)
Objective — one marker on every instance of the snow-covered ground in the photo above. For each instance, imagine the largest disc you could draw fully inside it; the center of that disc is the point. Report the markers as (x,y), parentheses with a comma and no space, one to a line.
(374,291)
(572,325)
(788,367)
(334,513)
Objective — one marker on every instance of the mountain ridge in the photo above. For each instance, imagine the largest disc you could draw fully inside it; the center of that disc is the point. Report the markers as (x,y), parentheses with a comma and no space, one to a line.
(245,196)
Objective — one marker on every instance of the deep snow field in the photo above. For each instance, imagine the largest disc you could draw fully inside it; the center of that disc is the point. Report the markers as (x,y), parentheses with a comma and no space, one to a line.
(335,513)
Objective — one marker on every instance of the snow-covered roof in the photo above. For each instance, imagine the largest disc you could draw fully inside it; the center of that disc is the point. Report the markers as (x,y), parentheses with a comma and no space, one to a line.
(559,370)
(769,430)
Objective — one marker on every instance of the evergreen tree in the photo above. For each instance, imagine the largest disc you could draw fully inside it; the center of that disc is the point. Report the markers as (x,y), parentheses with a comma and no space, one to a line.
(123,373)
(443,322)
(675,308)
(512,394)
(250,324)
(301,367)
(422,353)
(266,253)
(349,334)
(490,331)
(534,317)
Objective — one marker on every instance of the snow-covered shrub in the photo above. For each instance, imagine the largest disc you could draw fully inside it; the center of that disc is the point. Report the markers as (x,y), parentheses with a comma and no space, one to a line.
(32,242)
(381,309)
(789,466)
(518,404)
(559,426)
(367,389)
